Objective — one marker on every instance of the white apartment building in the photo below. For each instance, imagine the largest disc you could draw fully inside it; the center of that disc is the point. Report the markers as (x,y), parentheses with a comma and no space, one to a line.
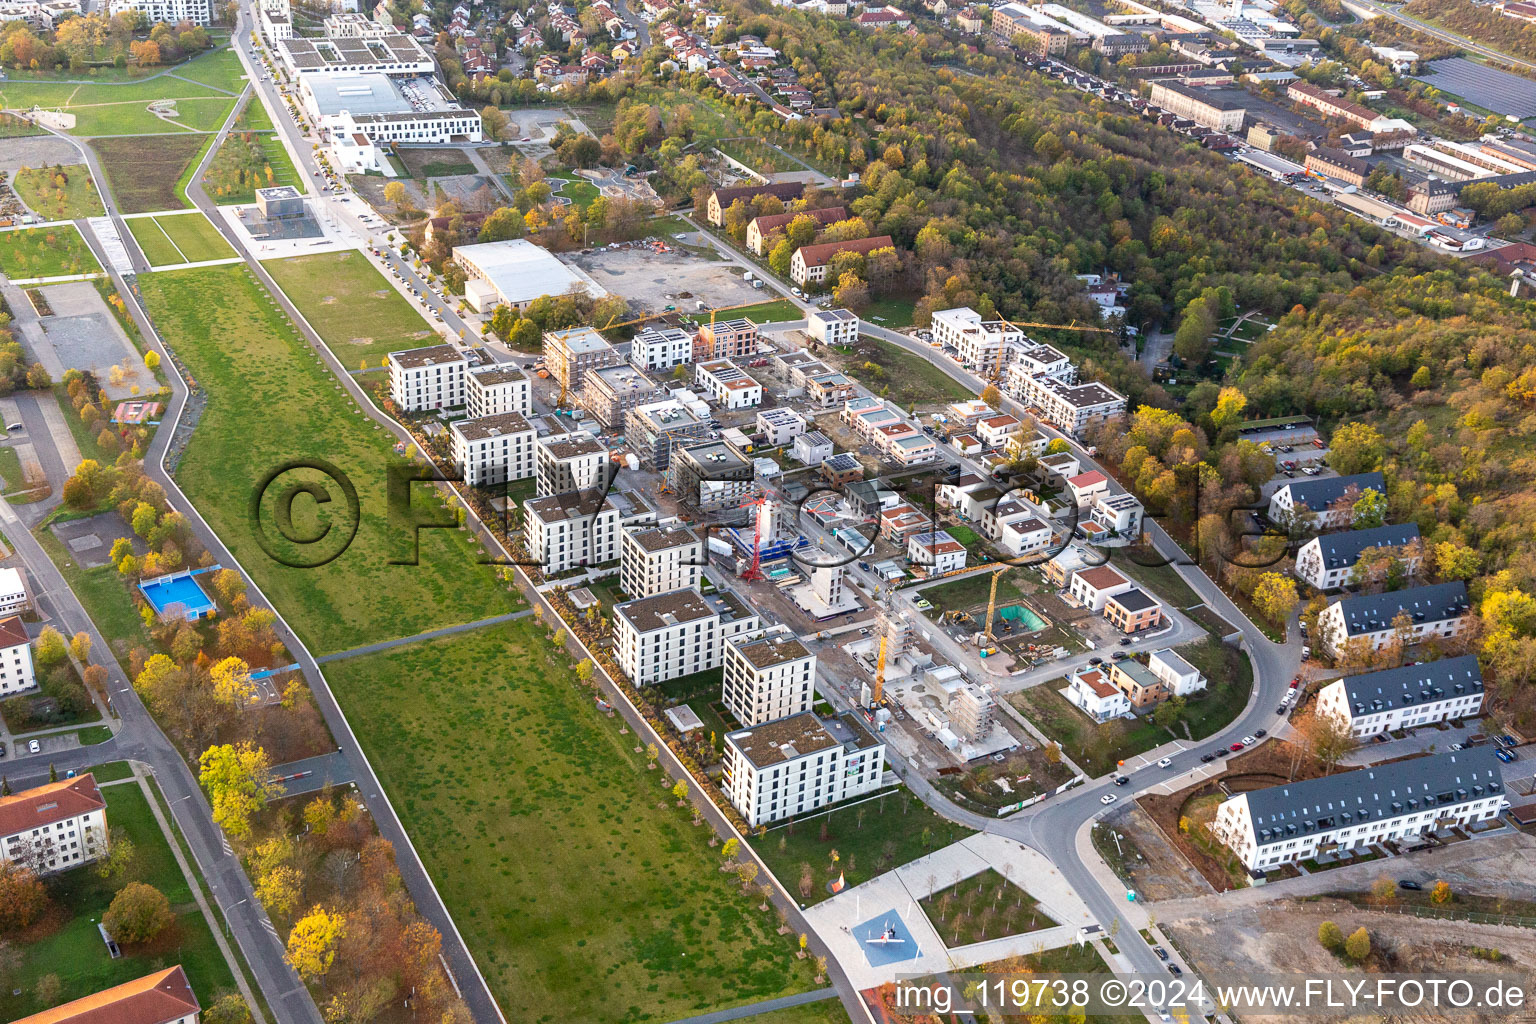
(1019,533)
(1073,408)
(1438,610)
(571,529)
(660,559)
(937,552)
(661,348)
(780,425)
(54,827)
(1399,698)
(1091,691)
(570,462)
(676,634)
(797,764)
(976,341)
(1119,514)
(730,387)
(812,448)
(768,676)
(17,674)
(13,592)
(833,326)
(1330,498)
(276,20)
(498,390)
(995,430)
(423,379)
(1094,587)
(1179,676)
(492,450)
(199,12)
(1356,809)
(1327,561)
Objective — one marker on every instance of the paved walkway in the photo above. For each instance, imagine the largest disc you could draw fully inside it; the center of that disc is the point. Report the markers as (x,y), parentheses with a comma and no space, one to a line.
(431,634)
(755,1009)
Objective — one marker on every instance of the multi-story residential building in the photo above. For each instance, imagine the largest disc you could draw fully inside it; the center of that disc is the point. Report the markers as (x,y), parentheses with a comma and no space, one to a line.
(1330,498)
(1438,610)
(1179,677)
(812,448)
(1072,408)
(570,462)
(1141,687)
(829,389)
(1131,611)
(1021,535)
(659,559)
(780,425)
(611,391)
(276,21)
(710,476)
(13,591)
(498,390)
(1092,588)
(763,232)
(965,415)
(833,326)
(422,379)
(1087,488)
(1117,514)
(1333,163)
(976,340)
(172,12)
(730,386)
(493,449)
(809,264)
(1327,561)
(899,521)
(1399,698)
(1048,35)
(938,553)
(661,348)
(580,527)
(676,634)
(726,339)
(55,826)
(658,429)
(1356,809)
(1098,698)
(569,354)
(768,676)
(1330,105)
(995,430)
(1199,106)
(164,997)
(721,199)
(797,764)
(17,674)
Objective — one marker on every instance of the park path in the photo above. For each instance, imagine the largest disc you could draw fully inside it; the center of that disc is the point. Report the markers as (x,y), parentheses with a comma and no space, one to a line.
(431,634)
(756,1009)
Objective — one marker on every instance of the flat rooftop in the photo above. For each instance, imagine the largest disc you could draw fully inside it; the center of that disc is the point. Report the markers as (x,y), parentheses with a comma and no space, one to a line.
(432,355)
(492,426)
(660,611)
(783,740)
(663,538)
(771,650)
(521,271)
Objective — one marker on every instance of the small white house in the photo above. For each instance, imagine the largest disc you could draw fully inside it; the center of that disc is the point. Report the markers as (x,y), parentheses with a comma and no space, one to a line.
(1098,698)
(937,552)
(13,592)
(1179,676)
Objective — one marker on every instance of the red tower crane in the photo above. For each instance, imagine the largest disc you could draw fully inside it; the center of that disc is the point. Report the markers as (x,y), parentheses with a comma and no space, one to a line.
(755,570)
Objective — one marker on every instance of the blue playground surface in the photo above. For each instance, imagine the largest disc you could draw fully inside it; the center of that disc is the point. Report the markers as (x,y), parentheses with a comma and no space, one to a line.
(879,953)
(178,591)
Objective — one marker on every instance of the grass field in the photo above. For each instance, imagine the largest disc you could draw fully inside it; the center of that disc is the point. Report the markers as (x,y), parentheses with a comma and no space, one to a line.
(871,837)
(45,252)
(10,469)
(982,907)
(13,127)
(758,155)
(890,312)
(579,191)
(901,376)
(583,891)
(970,591)
(254,116)
(66,942)
(241,164)
(143,172)
(826,1011)
(351,305)
(179,238)
(770,312)
(218,68)
(270,401)
(122,108)
(63,194)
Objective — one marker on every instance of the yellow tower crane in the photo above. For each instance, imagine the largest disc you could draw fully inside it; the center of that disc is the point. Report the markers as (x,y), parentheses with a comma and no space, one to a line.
(877,698)
(997,367)
(992,600)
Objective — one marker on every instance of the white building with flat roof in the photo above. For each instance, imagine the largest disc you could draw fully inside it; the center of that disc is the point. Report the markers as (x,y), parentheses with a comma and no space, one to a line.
(13,592)
(659,559)
(515,272)
(728,384)
(492,450)
(570,462)
(833,326)
(797,764)
(579,527)
(977,340)
(677,633)
(1072,408)
(54,827)
(780,425)
(395,54)
(498,390)
(423,379)
(661,348)
(199,12)
(1179,676)
(768,676)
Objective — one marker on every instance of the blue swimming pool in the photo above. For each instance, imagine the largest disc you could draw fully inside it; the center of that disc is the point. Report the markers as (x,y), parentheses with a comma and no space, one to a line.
(177,594)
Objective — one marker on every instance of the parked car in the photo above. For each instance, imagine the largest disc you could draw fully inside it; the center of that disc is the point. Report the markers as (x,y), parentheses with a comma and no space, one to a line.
(34,747)
(1220,752)
(1260,733)
(1506,756)
(1458,746)
(1280,710)
(1125,641)
(1235,747)
(1095,661)
(1409,884)
(1162,954)
(1175,970)
(1207,758)
(1509,741)
(1121,780)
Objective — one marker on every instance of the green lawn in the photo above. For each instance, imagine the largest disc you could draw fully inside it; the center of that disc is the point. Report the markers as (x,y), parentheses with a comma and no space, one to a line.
(1163,579)
(241,165)
(1097,748)
(10,469)
(64,193)
(254,116)
(901,376)
(770,312)
(68,944)
(971,591)
(122,108)
(155,243)
(982,907)
(196,237)
(870,837)
(104,595)
(758,155)
(578,190)
(826,1011)
(583,891)
(45,252)
(891,311)
(270,401)
(219,68)
(351,305)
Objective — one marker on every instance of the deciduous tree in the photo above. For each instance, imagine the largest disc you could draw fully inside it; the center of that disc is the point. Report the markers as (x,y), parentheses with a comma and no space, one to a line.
(138,913)
(238,778)
(312,943)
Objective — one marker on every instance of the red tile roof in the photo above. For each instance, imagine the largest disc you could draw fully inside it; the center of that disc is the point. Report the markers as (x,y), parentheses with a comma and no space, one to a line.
(822,253)
(152,999)
(55,801)
(12,632)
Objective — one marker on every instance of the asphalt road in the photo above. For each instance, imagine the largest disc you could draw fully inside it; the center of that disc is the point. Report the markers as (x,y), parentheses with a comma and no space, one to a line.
(1396,14)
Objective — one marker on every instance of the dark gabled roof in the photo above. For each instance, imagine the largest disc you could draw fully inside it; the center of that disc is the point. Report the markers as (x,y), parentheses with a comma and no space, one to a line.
(785,190)
(1320,492)
(1340,550)
(1371,794)
(1408,685)
(1370,613)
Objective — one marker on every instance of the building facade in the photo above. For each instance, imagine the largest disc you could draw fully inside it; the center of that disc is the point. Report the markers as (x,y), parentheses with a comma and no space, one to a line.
(809,266)
(493,450)
(676,634)
(569,354)
(797,764)
(1329,498)
(425,379)
(660,559)
(833,326)
(768,676)
(1328,561)
(1404,697)
(1437,611)
(498,390)
(17,674)
(661,348)
(55,826)
(570,462)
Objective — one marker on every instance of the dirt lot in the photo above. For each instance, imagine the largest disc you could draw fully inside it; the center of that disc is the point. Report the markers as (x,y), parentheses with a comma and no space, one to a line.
(652,281)
(1157,870)
(1282,938)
